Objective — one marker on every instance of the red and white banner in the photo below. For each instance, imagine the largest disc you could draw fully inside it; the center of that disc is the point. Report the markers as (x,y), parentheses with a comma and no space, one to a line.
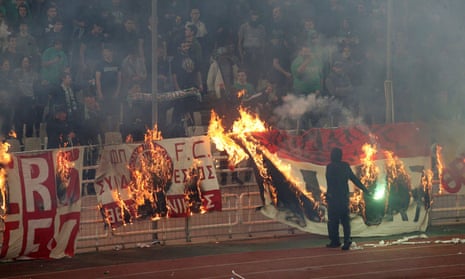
(44,204)
(402,209)
(170,164)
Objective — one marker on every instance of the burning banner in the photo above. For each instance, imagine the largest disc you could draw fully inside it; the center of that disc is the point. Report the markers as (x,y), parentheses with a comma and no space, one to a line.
(290,172)
(157,178)
(43,204)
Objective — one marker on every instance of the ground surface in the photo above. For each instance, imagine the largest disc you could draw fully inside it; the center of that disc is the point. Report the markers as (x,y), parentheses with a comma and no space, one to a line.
(438,253)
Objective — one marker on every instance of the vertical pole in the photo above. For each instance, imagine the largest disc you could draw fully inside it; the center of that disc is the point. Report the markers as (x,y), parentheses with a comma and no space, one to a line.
(154,25)
(388,91)
(154,63)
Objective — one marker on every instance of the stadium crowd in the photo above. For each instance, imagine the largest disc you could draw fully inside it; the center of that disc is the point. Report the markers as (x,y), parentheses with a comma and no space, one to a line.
(74,65)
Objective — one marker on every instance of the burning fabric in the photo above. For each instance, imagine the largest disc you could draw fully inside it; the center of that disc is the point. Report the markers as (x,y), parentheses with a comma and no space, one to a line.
(5,159)
(155,179)
(283,165)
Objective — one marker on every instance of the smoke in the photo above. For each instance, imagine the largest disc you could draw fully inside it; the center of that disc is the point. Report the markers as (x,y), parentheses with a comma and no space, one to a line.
(327,111)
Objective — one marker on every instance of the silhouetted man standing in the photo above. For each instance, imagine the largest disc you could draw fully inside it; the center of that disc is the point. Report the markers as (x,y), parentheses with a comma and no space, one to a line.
(338,174)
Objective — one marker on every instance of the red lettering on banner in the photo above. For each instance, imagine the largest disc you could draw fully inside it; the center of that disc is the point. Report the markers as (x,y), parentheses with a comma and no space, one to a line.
(178,148)
(9,228)
(35,236)
(38,182)
(117,156)
(181,175)
(177,176)
(115,182)
(210,172)
(195,155)
(177,205)
(39,235)
(69,227)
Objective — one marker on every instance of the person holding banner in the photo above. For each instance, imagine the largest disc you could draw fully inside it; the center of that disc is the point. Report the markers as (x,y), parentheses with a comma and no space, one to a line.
(338,173)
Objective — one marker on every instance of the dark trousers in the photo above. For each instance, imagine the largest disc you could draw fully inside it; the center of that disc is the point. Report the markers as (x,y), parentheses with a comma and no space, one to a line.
(338,213)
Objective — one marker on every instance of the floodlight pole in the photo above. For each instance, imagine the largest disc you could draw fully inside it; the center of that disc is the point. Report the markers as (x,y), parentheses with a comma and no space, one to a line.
(154,24)
(388,90)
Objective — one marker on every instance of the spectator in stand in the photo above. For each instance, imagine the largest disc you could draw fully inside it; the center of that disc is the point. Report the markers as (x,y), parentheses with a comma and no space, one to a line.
(117,12)
(11,52)
(201,35)
(54,63)
(307,79)
(133,73)
(126,38)
(278,27)
(350,65)
(57,32)
(278,64)
(186,74)
(90,51)
(202,32)
(4,32)
(26,45)
(22,16)
(133,69)
(175,34)
(220,79)
(251,46)
(242,85)
(108,83)
(60,130)
(195,48)
(27,113)
(46,22)
(306,73)
(66,95)
(91,118)
(347,36)
(7,97)
(340,87)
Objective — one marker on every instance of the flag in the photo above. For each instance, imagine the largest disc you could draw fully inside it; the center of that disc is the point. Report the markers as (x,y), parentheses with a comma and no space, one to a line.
(165,178)
(44,204)
(297,198)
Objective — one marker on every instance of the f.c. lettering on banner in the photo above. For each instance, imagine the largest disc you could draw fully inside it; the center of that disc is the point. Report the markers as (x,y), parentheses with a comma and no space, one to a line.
(165,178)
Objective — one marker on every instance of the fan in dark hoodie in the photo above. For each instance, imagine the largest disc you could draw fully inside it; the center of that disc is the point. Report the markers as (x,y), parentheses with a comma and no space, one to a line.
(338,173)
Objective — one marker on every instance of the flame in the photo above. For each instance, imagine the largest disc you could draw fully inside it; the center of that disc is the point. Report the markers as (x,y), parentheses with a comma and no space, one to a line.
(240,93)
(153,135)
(439,166)
(395,171)
(63,166)
(224,142)
(368,176)
(150,176)
(12,134)
(193,191)
(239,143)
(5,159)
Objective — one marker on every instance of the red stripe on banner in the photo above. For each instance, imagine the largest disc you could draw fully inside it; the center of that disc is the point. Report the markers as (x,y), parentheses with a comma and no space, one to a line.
(314,145)
(13,208)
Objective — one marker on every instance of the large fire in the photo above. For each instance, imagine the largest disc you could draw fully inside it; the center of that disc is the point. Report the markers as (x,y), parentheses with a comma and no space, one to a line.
(273,176)
(193,189)
(151,177)
(5,159)
(439,166)
(398,185)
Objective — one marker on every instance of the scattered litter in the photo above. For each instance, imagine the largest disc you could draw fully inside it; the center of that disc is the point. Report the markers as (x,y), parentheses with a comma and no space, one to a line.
(406,241)
(144,245)
(118,247)
(354,246)
(237,275)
